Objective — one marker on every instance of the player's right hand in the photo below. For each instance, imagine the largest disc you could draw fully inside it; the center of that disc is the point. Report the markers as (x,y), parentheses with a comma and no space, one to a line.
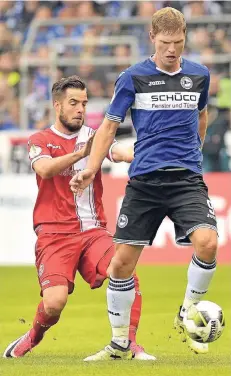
(81,180)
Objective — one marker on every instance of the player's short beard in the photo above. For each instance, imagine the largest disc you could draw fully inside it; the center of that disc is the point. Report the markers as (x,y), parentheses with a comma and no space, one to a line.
(69,126)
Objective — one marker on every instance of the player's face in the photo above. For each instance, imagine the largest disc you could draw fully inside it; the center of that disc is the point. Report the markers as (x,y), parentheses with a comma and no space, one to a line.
(71,109)
(168,49)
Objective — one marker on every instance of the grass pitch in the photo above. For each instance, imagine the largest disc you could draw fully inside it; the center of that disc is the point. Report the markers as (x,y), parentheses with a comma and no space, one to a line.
(84,329)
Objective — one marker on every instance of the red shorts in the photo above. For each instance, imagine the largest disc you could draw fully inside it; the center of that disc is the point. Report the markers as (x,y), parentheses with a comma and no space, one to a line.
(60,256)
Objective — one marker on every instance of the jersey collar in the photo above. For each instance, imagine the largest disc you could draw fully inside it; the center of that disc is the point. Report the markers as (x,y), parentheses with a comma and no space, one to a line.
(63,135)
(163,71)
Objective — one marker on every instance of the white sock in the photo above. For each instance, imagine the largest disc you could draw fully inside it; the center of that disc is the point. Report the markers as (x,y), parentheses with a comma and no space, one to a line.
(120,297)
(200,274)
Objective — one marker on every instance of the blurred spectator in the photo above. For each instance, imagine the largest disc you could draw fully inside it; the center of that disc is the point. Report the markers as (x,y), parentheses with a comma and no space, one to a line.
(198,39)
(214,88)
(145,9)
(46,33)
(8,41)
(9,69)
(43,122)
(201,8)
(28,11)
(121,55)
(215,158)
(42,76)
(13,115)
(220,43)
(10,12)
(6,95)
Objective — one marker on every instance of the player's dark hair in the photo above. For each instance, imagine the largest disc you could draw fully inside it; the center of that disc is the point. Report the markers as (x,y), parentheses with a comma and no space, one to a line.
(59,88)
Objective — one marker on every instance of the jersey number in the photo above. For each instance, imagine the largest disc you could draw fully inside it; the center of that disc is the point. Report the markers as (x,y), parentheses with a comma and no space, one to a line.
(211,208)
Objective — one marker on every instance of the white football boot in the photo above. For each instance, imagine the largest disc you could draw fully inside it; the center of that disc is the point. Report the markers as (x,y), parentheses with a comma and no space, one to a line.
(196,347)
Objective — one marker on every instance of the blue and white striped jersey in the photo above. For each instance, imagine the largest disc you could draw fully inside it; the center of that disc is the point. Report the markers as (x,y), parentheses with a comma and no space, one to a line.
(165,113)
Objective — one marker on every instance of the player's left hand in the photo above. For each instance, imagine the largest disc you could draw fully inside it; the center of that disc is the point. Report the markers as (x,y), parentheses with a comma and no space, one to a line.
(81,180)
(86,149)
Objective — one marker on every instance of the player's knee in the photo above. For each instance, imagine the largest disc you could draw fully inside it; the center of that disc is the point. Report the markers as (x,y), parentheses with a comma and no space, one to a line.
(55,299)
(207,248)
(121,267)
(54,306)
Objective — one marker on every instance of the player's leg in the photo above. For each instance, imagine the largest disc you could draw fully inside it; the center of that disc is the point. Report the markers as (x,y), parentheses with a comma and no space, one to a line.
(122,317)
(121,292)
(140,217)
(202,266)
(195,224)
(47,314)
(94,268)
(137,350)
(56,275)
(200,273)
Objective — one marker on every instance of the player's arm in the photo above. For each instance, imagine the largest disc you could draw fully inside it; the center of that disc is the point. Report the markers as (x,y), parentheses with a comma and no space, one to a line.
(121,153)
(103,139)
(47,167)
(122,100)
(203,124)
(202,107)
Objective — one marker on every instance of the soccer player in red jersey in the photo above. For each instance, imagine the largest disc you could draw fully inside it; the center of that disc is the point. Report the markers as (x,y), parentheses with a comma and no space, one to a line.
(71,230)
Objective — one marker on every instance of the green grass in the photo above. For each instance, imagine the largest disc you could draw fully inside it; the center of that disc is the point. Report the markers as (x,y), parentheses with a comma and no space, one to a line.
(84,329)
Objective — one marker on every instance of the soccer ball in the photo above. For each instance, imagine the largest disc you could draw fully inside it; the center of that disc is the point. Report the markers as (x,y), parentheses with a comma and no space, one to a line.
(204,321)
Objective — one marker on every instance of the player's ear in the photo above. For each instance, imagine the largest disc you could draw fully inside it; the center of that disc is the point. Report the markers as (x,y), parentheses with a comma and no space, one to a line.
(152,36)
(56,105)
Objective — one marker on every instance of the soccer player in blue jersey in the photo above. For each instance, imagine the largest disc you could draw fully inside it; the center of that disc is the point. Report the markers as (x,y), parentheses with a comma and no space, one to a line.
(167,95)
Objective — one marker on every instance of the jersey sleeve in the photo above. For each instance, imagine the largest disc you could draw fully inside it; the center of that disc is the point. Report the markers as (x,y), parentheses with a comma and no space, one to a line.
(204,95)
(109,156)
(37,148)
(123,98)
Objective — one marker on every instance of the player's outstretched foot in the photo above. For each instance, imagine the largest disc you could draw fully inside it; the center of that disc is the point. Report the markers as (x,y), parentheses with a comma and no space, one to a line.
(19,347)
(196,347)
(111,352)
(139,352)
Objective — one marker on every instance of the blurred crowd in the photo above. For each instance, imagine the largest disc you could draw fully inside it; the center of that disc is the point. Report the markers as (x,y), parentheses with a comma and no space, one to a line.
(203,41)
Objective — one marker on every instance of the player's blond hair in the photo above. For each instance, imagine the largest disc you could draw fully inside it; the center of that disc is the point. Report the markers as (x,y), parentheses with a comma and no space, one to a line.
(169,21)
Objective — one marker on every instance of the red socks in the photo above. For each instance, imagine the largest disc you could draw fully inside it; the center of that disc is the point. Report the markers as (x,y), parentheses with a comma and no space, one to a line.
(42,322)
(135,312)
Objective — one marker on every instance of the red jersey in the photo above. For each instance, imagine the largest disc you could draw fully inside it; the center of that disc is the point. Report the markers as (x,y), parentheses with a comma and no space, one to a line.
(57,209)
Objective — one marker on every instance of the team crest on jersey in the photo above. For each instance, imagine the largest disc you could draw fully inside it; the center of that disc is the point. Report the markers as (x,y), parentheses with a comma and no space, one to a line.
(34,151)
(122,221)
(186,83)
